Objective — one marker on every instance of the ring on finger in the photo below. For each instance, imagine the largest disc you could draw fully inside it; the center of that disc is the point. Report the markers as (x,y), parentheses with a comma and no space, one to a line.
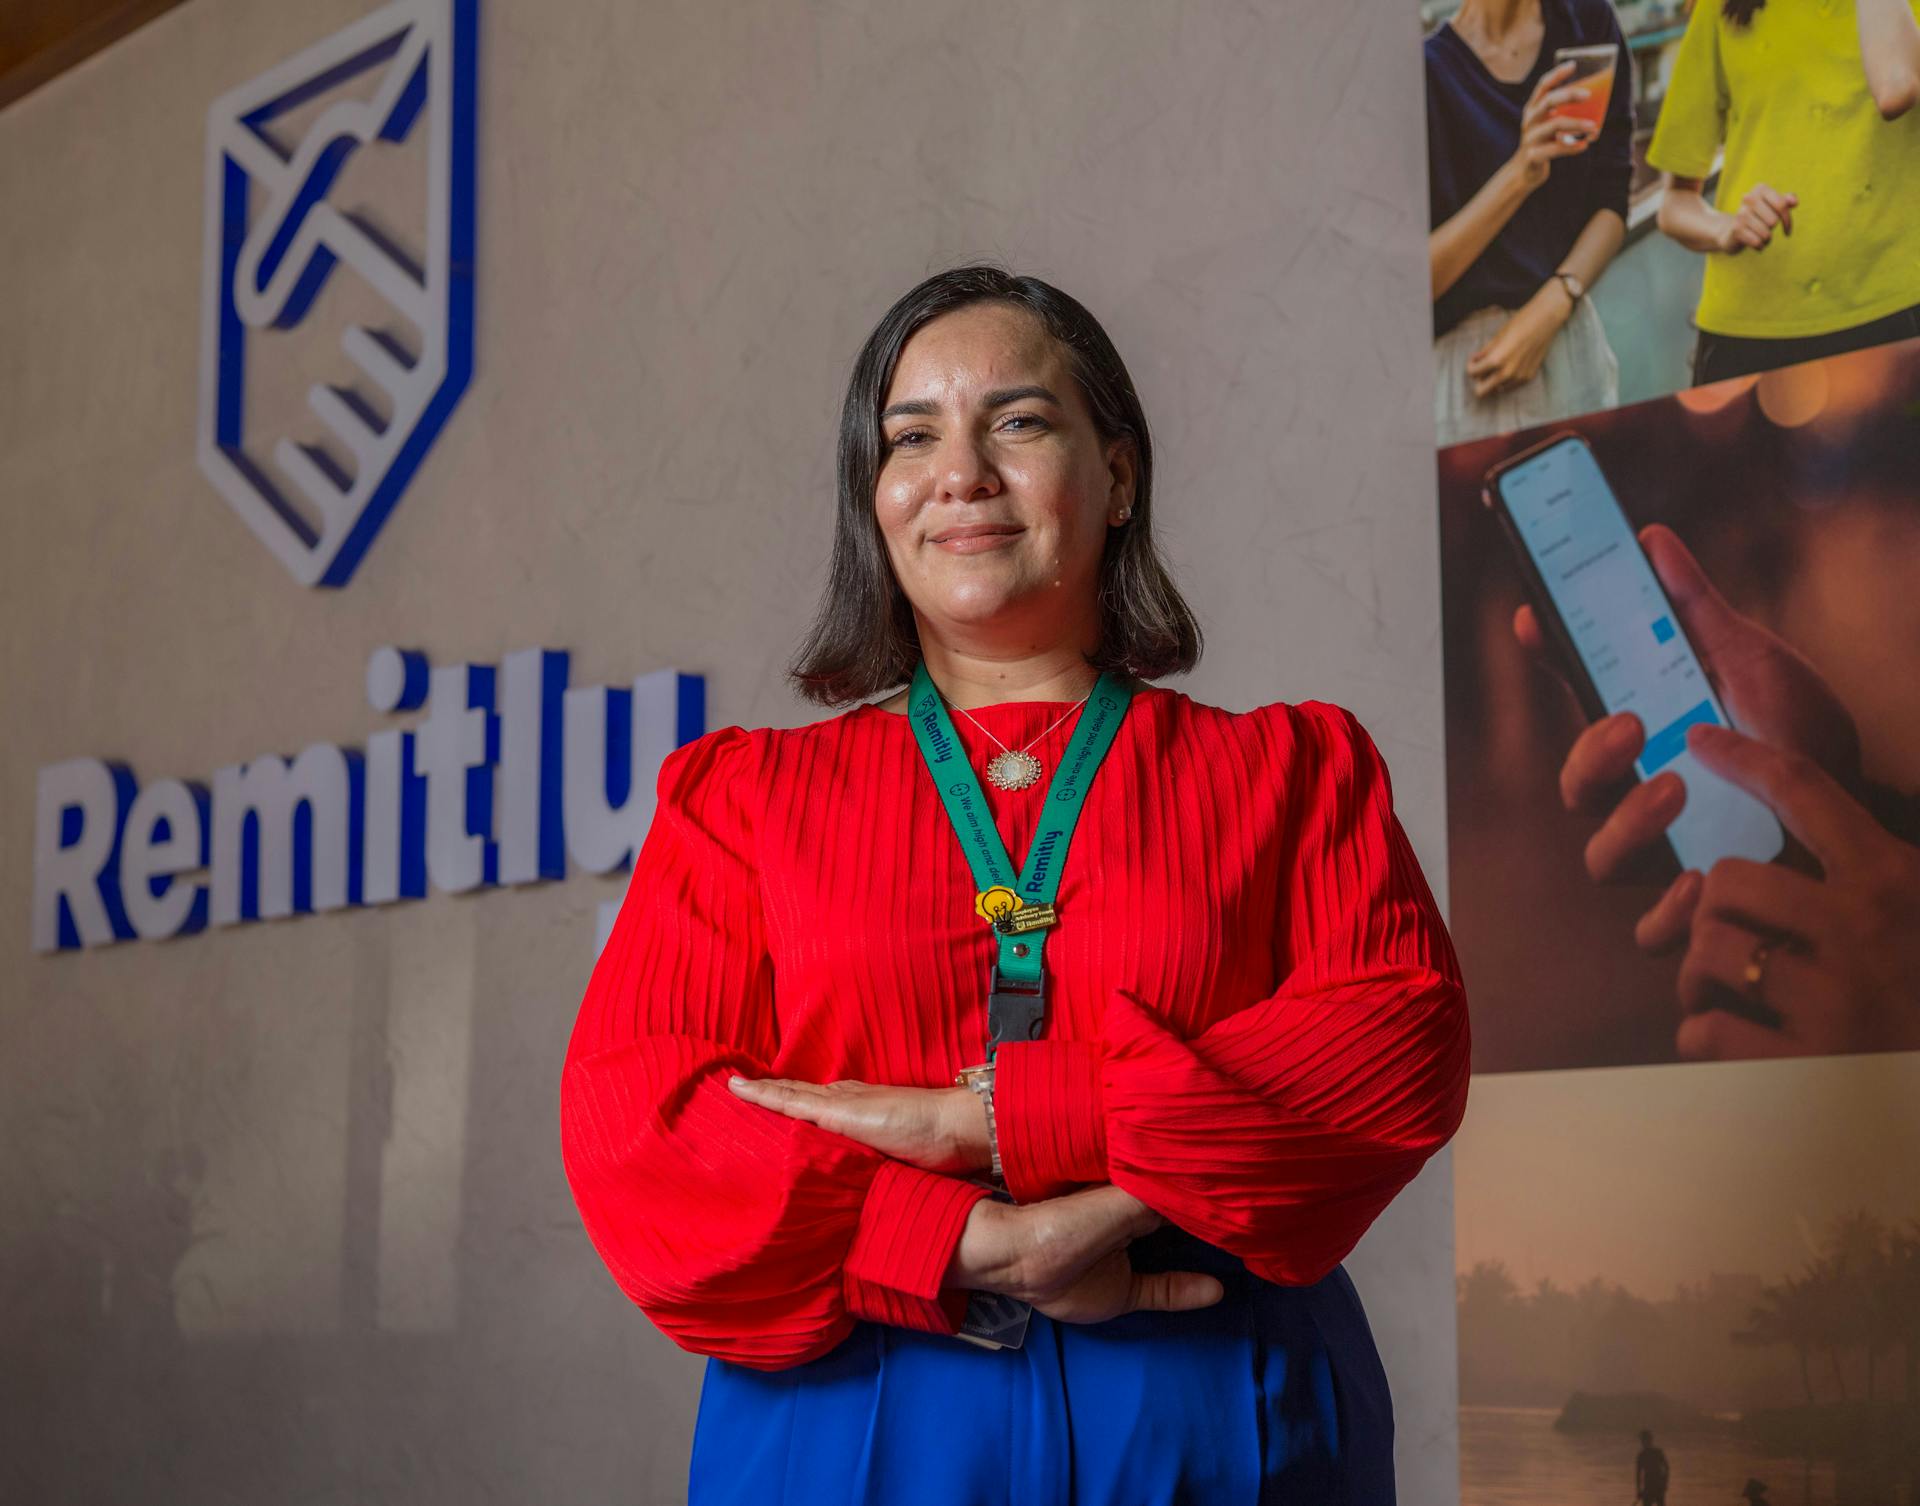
(1755,974)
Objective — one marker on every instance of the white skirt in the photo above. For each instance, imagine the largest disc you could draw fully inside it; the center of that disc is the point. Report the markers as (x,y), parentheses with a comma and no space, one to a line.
(1580,375)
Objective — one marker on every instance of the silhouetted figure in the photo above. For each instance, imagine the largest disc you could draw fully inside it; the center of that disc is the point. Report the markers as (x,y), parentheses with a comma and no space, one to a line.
(1755,1494)
(1650,1474)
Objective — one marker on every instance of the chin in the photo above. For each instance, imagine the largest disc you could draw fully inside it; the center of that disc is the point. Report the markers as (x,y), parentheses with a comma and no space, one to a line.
(977,602)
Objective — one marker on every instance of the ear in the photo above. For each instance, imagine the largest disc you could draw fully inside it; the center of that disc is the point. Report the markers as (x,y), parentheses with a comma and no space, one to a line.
(1122,473)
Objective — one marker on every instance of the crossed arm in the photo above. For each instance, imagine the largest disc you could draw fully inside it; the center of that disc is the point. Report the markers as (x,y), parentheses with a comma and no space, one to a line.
(760,1223)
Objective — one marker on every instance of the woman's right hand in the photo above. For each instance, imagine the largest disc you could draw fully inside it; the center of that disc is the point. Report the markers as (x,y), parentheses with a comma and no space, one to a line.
(1068,1257)
(1763,209)
(1545,136)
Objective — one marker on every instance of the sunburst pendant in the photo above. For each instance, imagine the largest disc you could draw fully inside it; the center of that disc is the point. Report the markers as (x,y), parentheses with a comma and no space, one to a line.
(1014,771)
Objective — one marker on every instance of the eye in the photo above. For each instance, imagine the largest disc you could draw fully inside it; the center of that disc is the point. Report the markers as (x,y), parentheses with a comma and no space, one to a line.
(909,439)
(1023,423)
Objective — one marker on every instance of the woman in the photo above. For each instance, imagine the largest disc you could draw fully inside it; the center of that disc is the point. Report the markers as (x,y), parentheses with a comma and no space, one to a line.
(1528,207)
(1813,241)
(1241,1035)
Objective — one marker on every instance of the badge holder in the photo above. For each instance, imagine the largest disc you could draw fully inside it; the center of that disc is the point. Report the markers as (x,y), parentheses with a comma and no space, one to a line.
(994,1321)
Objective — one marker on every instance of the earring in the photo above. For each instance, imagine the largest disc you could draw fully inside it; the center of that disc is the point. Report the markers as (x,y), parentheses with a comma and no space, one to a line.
(1123,515)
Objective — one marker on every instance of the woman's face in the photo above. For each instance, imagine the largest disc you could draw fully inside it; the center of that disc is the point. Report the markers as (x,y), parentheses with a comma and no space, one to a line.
(996,491)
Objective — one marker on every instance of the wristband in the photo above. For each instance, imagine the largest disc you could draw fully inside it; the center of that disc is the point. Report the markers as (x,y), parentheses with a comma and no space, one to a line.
(980,1080)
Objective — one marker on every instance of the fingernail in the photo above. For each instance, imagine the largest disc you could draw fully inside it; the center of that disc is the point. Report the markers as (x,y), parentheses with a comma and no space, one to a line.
(1705,734)
(736,1082)
(1622,735)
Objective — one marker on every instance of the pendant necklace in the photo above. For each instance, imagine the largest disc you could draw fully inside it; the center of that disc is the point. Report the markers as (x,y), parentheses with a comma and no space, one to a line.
(1017,769)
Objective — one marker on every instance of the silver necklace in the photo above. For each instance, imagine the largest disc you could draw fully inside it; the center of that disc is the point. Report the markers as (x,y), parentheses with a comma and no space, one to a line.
(1017,769)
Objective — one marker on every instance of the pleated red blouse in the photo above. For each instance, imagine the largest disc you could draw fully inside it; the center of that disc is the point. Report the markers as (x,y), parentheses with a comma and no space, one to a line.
(1255,1018)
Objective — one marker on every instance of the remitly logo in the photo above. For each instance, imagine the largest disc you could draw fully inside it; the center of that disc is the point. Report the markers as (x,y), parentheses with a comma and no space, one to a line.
(507,776)
(354,158)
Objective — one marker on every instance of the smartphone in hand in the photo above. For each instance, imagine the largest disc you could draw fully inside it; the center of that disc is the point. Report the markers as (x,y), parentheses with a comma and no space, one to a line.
(1602,606)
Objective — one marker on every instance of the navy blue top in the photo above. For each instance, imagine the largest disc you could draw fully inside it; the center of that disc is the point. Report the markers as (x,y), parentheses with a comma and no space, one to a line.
(1473,126)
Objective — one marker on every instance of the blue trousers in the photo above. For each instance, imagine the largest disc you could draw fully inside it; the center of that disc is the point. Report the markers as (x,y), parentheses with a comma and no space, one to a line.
(1273,1395)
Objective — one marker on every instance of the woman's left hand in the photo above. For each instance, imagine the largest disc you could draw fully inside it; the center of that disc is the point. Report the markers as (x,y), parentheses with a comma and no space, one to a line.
(938,1129)
(1515,354)
(1841,952)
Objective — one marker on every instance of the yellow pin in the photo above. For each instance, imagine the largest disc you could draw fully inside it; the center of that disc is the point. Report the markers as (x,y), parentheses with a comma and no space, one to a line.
(995,905)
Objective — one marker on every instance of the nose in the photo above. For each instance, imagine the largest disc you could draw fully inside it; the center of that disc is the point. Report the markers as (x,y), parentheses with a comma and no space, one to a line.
(963,470)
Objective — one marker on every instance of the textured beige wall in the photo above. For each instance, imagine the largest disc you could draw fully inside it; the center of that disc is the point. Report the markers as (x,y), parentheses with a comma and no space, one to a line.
(281,1208)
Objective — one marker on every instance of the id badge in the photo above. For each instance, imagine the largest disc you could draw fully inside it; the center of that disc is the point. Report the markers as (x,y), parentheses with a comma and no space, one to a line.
(994,1321)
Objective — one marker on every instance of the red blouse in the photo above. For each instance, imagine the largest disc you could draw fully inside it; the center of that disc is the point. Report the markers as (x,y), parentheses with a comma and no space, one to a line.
(1255,1018)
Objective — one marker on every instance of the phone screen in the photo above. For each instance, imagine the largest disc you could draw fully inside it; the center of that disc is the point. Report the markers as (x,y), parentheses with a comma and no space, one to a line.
(1631,643)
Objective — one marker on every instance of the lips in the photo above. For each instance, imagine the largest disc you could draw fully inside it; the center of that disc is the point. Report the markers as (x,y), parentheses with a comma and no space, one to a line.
(976,531)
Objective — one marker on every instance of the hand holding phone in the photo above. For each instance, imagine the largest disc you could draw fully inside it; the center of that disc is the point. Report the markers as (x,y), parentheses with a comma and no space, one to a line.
(1635,646)
(1769,688)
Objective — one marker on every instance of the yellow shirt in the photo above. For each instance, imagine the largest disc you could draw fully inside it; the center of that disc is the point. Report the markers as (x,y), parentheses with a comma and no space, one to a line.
(1787,96)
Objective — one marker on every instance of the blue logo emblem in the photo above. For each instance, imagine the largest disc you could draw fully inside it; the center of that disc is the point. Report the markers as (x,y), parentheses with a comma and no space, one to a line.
(337,316)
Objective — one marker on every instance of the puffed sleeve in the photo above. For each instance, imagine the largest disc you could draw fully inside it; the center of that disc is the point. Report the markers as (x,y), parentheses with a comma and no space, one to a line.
(740,1232)
(1282,1131)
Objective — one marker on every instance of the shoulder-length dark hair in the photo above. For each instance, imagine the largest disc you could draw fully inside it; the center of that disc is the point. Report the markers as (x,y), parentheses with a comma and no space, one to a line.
(863,639)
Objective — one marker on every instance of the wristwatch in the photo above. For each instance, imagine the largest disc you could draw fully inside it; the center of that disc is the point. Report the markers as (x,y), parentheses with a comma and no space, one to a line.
(980,1079)
(1576,289)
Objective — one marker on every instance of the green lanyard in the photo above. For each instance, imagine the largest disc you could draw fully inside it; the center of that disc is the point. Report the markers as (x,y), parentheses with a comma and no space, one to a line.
(1021,910)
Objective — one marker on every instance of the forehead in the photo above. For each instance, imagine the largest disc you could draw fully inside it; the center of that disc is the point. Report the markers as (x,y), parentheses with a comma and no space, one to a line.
(977,349)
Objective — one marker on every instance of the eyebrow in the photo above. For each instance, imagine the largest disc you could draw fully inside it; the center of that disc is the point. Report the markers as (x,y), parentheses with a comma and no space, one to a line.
(921,408)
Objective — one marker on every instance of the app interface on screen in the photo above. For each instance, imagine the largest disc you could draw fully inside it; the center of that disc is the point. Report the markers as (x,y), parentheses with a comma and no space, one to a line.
(1631,644)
